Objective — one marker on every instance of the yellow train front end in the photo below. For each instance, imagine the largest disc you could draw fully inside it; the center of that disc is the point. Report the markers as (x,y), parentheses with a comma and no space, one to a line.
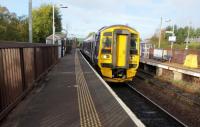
(118,56)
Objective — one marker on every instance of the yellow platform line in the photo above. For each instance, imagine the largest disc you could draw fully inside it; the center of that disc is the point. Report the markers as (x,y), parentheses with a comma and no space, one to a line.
(90,116)
(87,110)
(86,105)
(90,105)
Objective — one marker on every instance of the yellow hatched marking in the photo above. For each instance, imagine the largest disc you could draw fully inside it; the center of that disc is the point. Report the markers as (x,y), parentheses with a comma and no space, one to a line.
(87,110)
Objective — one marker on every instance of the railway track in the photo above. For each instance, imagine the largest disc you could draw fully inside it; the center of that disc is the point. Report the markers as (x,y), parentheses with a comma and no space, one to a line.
(146,110)
(151,114)
(184,96)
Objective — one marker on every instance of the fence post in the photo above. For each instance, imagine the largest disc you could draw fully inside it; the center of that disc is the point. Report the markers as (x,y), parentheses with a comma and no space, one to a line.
(35,63)
(22,68)
(2,83)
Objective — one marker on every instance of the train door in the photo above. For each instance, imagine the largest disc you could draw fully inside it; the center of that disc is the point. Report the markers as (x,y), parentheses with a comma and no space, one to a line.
(121,50)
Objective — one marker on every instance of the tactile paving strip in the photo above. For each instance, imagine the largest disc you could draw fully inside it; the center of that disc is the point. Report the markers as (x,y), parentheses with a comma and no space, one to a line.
(88,113)
(110,112)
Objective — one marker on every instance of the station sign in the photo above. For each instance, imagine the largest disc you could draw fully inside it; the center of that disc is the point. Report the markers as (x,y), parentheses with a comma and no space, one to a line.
(172,38)
(169,32)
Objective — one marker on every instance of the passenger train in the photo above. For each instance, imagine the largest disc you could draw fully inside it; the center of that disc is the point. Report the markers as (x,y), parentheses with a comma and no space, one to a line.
(114,52)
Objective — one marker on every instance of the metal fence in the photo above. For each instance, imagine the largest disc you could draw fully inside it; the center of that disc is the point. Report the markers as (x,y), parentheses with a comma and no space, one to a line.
(176,56)
(21,65)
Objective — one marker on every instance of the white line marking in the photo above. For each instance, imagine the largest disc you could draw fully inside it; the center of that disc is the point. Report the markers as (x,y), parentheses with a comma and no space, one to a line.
(127,110)
(184,71)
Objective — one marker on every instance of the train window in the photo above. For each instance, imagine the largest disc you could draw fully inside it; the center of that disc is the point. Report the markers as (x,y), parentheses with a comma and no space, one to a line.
(133,49)
(107,34)
(107,42)
(106,45)
(133,41)
(97,44)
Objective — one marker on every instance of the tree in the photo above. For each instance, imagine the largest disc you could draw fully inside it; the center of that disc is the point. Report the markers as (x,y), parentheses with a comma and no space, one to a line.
(42,22)
(197,32)
(182,32)
(12,27)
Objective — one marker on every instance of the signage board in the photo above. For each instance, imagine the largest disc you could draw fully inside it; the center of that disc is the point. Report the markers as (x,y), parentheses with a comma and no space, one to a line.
(169,32)
(172,38)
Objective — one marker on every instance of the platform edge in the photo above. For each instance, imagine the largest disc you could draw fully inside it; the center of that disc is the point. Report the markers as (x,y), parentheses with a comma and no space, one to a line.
(123,105)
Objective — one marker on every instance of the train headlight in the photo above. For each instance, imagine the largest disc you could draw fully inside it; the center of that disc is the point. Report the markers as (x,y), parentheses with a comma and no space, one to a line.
(105,56)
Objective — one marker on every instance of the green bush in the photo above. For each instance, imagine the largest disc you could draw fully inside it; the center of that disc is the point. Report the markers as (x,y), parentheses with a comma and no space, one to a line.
(194,45)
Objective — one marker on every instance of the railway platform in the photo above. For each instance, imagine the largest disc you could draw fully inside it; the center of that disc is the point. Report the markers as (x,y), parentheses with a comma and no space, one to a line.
(177,69)
(72,95)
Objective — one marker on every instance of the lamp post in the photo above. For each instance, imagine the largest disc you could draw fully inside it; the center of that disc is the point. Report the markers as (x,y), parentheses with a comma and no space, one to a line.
(53,25)
(172,32)
(172,38)
(30,22)
(160,34)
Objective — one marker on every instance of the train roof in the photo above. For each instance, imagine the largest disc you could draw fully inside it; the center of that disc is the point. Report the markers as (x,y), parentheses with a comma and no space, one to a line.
(106,27)
(90,37)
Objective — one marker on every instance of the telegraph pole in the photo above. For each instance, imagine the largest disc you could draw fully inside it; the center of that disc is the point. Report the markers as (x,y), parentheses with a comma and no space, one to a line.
(160,33)
(30,22)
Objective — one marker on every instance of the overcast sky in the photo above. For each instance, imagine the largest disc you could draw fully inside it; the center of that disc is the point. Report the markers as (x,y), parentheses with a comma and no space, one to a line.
(84,16)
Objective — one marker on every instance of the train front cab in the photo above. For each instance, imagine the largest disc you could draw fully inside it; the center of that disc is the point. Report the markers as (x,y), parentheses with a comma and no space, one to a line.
(119,53)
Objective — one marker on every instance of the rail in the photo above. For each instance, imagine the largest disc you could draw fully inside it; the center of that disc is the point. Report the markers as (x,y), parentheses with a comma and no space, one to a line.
(22,65)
